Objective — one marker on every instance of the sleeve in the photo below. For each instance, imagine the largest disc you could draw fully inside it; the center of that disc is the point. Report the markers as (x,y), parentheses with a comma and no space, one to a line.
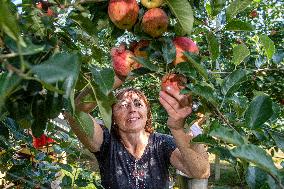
(105,145)
(169,146)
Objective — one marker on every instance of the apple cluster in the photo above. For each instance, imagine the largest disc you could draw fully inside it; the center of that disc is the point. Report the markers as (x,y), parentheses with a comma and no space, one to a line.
(124,15)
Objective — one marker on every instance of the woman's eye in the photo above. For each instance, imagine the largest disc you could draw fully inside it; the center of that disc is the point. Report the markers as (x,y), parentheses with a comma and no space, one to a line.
(123,105)
(138,104)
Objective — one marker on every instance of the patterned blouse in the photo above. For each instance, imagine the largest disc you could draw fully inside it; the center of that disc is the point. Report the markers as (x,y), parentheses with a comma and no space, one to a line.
(121,170)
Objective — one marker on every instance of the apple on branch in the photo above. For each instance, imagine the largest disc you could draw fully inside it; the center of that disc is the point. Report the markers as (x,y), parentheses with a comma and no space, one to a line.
(183,44)
(174,81)
(122,60)
(155,22)
(123,13)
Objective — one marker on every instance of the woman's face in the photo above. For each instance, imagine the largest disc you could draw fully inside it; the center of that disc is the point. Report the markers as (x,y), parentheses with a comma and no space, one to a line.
(130,113)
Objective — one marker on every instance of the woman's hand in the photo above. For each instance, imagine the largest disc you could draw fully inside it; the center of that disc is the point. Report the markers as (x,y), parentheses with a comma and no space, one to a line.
(178,107)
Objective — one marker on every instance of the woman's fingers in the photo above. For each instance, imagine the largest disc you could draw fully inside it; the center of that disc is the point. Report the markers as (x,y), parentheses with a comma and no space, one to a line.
(183,100)
(169,99)
(170,110)
(173,107)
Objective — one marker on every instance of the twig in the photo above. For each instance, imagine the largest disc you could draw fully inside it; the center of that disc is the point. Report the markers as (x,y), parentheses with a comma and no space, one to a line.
(277,180)
(16,70)
(223,118)
(10,55)
(210,72)
(258,70)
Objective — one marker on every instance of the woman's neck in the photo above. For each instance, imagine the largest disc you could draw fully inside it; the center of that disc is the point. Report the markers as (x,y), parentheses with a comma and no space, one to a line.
(134,139)
(135,143)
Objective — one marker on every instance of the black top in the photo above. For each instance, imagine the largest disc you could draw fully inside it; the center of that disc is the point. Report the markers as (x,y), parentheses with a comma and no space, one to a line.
(120,170)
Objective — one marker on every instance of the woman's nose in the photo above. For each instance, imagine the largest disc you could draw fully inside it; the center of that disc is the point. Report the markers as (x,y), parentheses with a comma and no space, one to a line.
(132,106)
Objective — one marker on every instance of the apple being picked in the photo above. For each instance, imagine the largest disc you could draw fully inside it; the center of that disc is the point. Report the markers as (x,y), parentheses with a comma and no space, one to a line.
(155,22)
(152,3)
(123,13)
(174,81)
(182,45)
(122,61)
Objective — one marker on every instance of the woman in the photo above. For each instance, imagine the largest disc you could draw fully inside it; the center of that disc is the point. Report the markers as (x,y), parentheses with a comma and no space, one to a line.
(132,155)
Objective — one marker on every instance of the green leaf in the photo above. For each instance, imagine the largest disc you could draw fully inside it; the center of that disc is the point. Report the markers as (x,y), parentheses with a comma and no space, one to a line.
(257,178)
(183,12)
(4,131)
(140,71)
(36,24)
(40,117)
(217,6)
(8,83)
(239,103)
(258,112)
(186,69)
(213,44)
(30,48)
(85,23)
(81,182)
(105,78)
(233,81)
(146,63)
(268,45)
(223,153)
(54,104)
(279,139)
(256,155)
(228,135)
(236,7)
(66,182)
(58,68)
(205,91)
(8,23)
(195,62)
(85,122)
(240,52)
(204,139)
(238,25)
(66,167)
(105,104)
(168,50)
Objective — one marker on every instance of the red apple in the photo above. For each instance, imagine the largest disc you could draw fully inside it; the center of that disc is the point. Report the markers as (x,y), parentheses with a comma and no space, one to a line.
(139,48)
(123,13)
(39,5)
(175,81)
(122,61)
(155,22)
(151,3)
(253,14)
(42,141)
(49,12)
(183,44)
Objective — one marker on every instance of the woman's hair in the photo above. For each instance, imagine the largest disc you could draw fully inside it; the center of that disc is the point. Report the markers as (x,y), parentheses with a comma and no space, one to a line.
(119,94)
